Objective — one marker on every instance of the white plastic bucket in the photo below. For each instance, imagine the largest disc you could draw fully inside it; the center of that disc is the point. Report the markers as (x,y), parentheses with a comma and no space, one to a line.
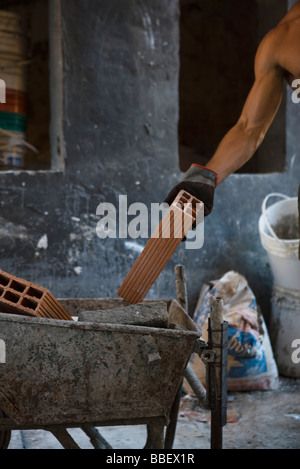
(282,253)
(284,330)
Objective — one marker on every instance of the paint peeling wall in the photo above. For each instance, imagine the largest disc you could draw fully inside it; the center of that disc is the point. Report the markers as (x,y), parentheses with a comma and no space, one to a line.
(120,105)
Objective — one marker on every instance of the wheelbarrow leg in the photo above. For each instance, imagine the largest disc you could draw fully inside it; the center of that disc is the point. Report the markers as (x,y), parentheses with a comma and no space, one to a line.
(5,435)
(155,436)
(181,293)
(171,428)
(63,437)
(95,437)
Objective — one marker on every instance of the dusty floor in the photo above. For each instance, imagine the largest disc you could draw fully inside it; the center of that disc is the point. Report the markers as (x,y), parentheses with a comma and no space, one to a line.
(256,420)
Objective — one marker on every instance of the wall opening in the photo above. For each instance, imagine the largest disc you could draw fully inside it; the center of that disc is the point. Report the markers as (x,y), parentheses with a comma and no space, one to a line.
(218,42)
(29,70)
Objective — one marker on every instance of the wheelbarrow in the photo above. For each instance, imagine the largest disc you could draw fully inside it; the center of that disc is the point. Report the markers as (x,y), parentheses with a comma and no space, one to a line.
(57,374)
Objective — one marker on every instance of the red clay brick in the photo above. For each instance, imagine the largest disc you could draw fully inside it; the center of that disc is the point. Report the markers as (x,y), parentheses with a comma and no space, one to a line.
(160,247)
(18,296)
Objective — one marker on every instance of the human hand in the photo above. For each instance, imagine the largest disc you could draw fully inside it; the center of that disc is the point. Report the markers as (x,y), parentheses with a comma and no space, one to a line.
(199,182)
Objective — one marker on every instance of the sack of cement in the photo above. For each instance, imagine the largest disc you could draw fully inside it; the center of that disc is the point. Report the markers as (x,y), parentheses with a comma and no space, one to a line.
(251,365)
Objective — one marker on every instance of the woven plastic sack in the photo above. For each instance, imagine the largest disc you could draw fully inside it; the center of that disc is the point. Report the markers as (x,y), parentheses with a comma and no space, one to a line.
(251,365)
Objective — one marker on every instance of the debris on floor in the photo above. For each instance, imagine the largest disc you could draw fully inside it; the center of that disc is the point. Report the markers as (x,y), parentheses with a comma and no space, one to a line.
(266,420)
(190,409)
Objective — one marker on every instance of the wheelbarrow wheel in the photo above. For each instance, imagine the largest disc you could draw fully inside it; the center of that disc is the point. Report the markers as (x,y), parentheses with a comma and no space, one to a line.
(5,435)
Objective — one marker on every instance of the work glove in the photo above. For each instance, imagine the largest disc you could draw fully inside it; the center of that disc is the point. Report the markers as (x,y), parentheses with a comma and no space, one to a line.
(199,182)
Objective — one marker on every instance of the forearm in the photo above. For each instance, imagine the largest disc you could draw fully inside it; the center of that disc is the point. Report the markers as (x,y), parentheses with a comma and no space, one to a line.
(236,148)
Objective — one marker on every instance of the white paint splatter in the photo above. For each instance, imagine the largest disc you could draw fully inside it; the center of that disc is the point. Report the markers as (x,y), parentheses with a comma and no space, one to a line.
(293,159)
(43,242)
(78,270)
(148,30)
(134,246)
(294,416)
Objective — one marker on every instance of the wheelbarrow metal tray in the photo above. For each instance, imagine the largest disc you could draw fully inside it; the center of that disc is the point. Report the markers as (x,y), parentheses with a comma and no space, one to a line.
(60,372)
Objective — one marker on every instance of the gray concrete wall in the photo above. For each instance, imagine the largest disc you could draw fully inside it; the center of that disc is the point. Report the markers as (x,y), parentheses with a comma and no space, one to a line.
(120,121)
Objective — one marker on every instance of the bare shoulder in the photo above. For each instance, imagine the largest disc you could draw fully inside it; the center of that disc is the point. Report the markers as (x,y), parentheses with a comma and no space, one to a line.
(268,53)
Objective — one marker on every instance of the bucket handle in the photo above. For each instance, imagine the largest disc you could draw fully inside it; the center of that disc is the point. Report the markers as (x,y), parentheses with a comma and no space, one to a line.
(263,208)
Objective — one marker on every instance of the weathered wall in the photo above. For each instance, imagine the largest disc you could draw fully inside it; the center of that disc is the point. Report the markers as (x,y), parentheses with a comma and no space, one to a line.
(121,65)
(120,128)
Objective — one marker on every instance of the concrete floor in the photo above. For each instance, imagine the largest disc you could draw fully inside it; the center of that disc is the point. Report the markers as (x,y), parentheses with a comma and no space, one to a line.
(256,420)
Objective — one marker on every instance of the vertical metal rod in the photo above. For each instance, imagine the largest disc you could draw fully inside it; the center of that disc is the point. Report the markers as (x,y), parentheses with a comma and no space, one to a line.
(218,370)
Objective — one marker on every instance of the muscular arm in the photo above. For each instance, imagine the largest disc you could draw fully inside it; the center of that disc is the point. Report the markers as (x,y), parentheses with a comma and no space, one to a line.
(260,108)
